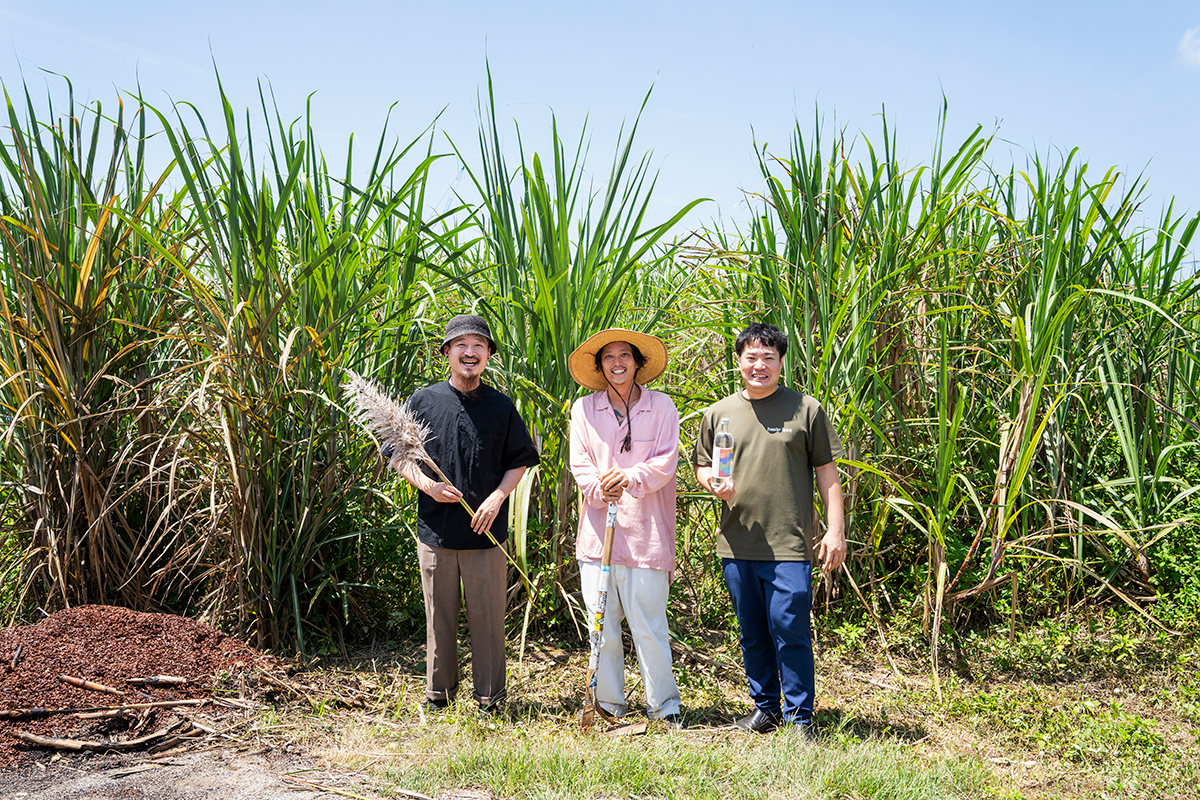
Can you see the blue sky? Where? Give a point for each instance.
(1118, 81)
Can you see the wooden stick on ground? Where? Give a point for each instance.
(158, 680)
(628, 729)
(197, 732)
(178, 739)
(199, 701)
(91, 686)
(99, 747)
(32, 713)
(117, 712)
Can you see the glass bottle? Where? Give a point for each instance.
(722, 455)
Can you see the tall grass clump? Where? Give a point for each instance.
(300, 276)
(85, 304)
(1002, 353)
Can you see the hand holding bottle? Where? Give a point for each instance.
(722, 462)
(724, 491)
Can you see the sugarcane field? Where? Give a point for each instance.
(321, 480)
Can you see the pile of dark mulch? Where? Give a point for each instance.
(106, 645)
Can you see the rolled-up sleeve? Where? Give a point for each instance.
(583, 455)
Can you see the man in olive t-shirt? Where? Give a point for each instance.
(782, 439)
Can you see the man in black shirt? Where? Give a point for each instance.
(483, 447)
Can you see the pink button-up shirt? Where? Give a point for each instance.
(645, 531)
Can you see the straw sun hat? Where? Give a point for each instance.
(582, 362)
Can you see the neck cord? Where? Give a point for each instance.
(627, 442)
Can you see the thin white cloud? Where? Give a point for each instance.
(1189, 47)
(45, 28)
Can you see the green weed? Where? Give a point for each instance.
(544, 761)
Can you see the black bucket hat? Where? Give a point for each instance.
(464, 324)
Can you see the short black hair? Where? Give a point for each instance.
(638, 358)
(765, 334)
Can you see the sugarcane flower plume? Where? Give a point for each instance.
(401, 435)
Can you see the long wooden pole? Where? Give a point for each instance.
(591, 706)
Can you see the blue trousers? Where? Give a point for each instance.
(772, 600)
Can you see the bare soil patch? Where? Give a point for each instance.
(109, 646)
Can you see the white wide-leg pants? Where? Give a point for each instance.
(640, 596)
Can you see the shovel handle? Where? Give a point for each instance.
(610, 526)
(591, 706)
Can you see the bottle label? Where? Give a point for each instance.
(722, 465)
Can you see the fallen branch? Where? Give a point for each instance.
(158, 680)
(96, 747)
(122, 772)
(198, 732)
(33, 713)
(156, 704)
(91, 686)
(116, 712)
(286, 685)
(178, 739)
(312, 693)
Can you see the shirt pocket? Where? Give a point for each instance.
(641, 452)
(490, 436)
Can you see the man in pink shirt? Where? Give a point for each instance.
(625, 448)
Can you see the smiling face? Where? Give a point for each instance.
(618, 364)
(468, 355)
(760, 366)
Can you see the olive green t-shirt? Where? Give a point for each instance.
(777, 441)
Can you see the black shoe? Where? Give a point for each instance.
(759, 721)
(674, 721)
(435, 705)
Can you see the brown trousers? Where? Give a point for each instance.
(449, 577)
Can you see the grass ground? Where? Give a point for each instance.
(1063, 710)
